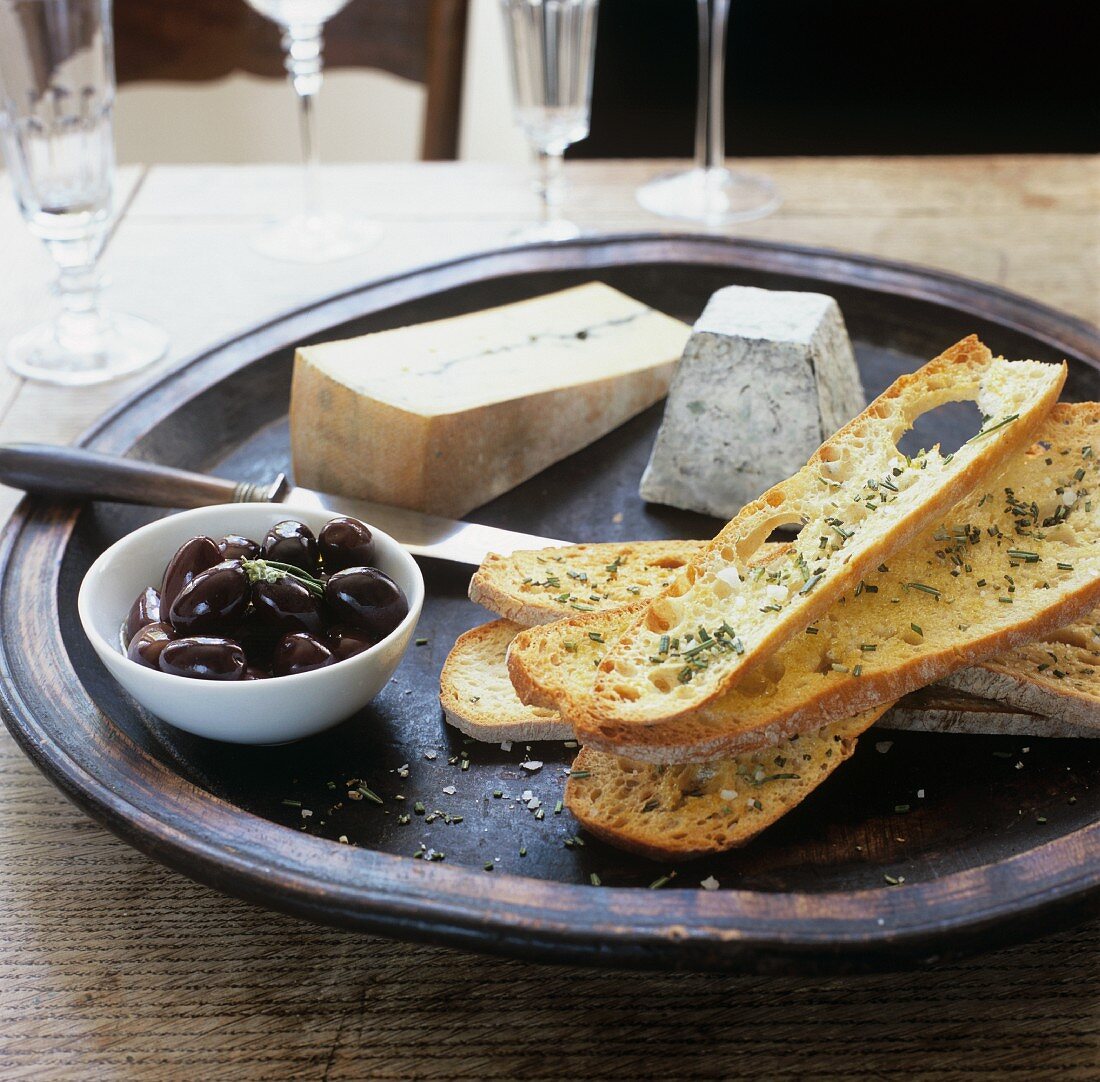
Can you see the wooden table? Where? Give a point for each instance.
(113, 967)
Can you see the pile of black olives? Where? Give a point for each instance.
(235, 609)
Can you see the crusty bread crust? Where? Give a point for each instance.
(826, 677)
(683, 812)
(940, 709)
(631, 689)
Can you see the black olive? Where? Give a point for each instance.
(345, 642)
(286, 605)
(367, 599)
(144, 611)
(345, 542)
(235, 547)
(203, 658)
(257, 638)
(213, 600)
(291, 542)
(299, 652)
(254, 672)
(146, 646)
(194, 555)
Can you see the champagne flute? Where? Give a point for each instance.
(311, 235)
(709, 192)
(552, 45)
(57, 92)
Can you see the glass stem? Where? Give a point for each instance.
(79, 326)
(303, 45)
(551, 184)
(710, 119)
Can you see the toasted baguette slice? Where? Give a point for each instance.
(858, 500)
(1058, 676)
(478, 698)
(1028, 681)
(537, 586)
(965, 592)
(680, 812)
(942, 710)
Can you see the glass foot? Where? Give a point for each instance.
(107, 347)
(556, 229)
(316, 238)
(711, 196)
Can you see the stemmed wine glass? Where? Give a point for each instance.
(57, 93)
(310, 236)
(709, 192)
(552, 45)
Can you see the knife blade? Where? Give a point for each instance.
(75, 473)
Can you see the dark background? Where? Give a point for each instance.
(853, 77)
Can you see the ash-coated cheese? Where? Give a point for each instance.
(764, 379)
(443, 416)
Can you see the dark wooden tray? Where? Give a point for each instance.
(990, 853)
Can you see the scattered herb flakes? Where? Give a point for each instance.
(421, 642)
(594, 879)
(894, 880)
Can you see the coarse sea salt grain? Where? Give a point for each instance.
(450, 790)
(710, 883)
(532, 765)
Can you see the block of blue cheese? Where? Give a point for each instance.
(766, 376)
(443, 416)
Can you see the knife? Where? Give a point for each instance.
(73, 473)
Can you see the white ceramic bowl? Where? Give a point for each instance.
(249, 711)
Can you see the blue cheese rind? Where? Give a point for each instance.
(766, 376)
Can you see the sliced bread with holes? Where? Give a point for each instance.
(858, 500)
(478, 698)
(1057, 685)
(966, 591)
(681, 812)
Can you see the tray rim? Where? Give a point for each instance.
(466, 907)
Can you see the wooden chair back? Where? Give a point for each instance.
(198, 40)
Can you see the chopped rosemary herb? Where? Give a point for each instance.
(993, 428)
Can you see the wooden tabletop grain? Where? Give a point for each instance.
(113, 967)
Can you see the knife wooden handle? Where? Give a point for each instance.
(76, 474)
